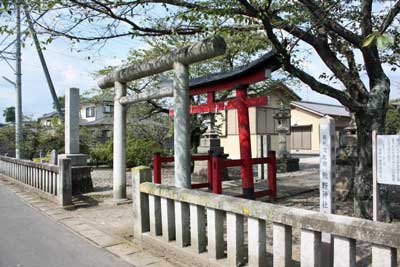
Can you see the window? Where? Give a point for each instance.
(90, 112)
(300, 137)
(108, 108)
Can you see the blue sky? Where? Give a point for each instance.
(69, 68)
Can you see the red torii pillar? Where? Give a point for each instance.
(245, 143)
(242, 104)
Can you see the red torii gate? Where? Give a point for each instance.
(238, 80)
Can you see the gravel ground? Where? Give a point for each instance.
(102, 177)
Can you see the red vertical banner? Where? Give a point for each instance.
(245, 143)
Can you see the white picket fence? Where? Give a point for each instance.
(51, 181)
(195, 219)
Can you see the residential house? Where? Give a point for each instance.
(48, 119)
(305, 119)
(98, 116)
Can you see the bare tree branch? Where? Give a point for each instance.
(314, 84)
(321, 46)
(390, 17)
(366, 21)
(332, 25)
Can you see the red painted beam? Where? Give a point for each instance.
(200, 185)
(167, 159)
(260, 160)
(225, 105)
(232, 163)
(200, 157)
(257, 194)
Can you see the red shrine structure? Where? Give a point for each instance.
(238, 79)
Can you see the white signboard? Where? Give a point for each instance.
(388, 159)
(327, 165)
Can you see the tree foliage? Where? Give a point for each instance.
(9, 114)
(392, 120)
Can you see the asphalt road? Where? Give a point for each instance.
(30, 239)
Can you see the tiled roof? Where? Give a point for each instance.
(48, 115)
(267, 60)
(109, 121)
(322, 109)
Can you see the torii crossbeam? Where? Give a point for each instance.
(178, 60)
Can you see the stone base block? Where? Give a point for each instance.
(287, 165)
(210, 142)
(201, 168)
(76, 159)
(81, 180)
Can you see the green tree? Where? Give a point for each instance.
(61, 101)
(392, 119)
(7, 140)
(9, 114)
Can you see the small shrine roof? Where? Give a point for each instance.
(253, 72)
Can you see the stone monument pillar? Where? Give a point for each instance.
(285, 163)
(81, 177)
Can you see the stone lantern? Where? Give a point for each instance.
(285, 163)
(209, 143)
(283, 126)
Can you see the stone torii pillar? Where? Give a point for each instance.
(178, 60)
(182, 126)
(119, 151)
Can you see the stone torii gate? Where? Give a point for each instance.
(179, 61)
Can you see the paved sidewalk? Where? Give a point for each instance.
(89, 228)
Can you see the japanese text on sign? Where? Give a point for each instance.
(388, 159)
(327, 165)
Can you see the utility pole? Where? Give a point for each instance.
(18, 108)
(43, 62)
